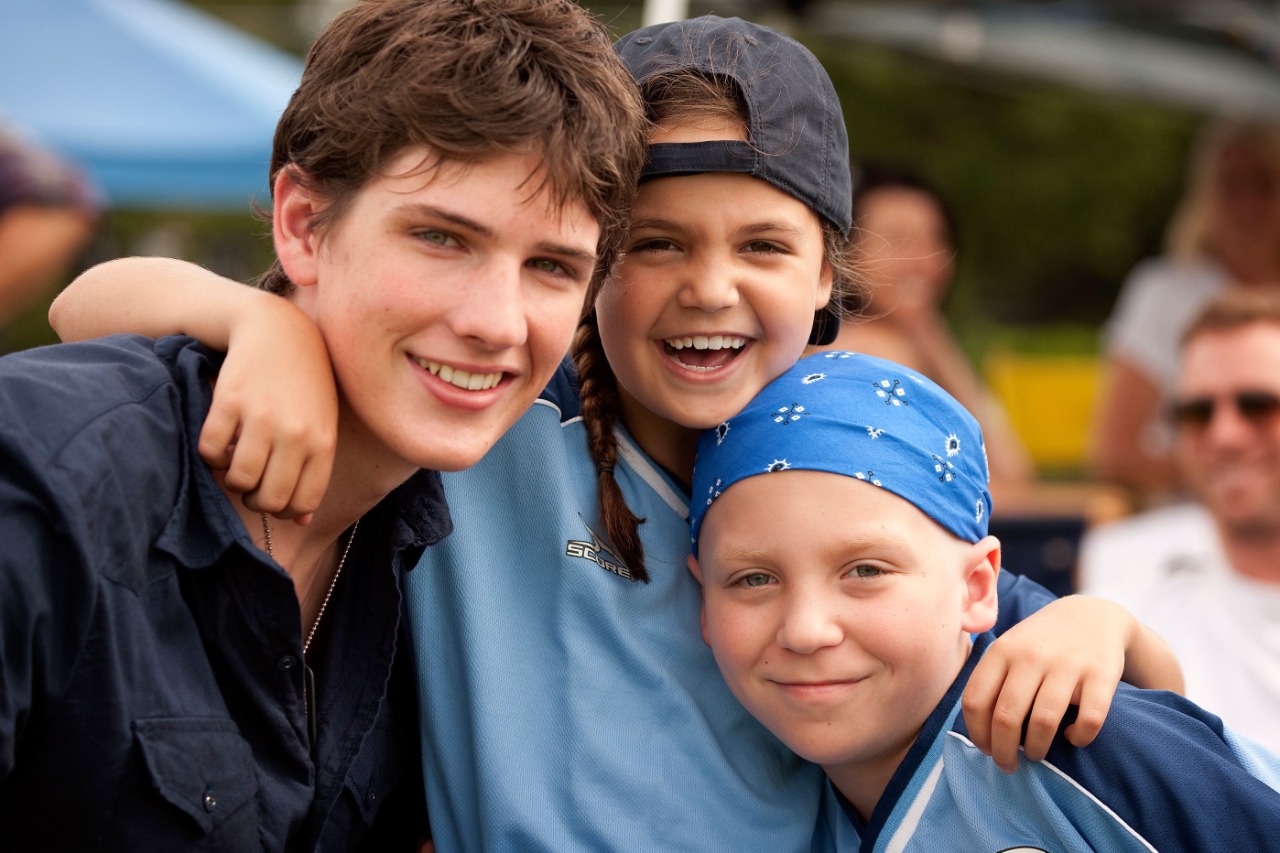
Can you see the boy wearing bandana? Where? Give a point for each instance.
(849, 584)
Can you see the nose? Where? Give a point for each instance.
(811, 622)
(492, 311)
(709, 285)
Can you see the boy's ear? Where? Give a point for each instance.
(696, 571)
(981, 604)
(295, 240)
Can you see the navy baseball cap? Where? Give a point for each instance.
(796, 136)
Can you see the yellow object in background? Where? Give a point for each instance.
(1049, 401)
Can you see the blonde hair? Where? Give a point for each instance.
(1189, 233)
(1235, 308)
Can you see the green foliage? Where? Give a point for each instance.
(1058, 193)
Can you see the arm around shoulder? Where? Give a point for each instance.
(156, 297)
(1170, 770)
(273, 424)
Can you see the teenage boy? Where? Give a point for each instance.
(176, 673)
(840, 537)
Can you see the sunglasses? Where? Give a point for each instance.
(1253, 406)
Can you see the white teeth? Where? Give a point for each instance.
(461, 378)
(714, 342)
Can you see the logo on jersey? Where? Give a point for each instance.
(596, 551)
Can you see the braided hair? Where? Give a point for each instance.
(680, 95)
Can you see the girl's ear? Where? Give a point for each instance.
(297, 245)
(696, 571)
(981, 605)
(825, 283)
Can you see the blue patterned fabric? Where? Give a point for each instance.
(864, 417)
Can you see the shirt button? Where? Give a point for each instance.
(288, 662)
(210, 801)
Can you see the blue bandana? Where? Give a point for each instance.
(863, 417)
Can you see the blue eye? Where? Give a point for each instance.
(864, 571)
(755, 579)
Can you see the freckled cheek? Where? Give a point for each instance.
(555, 333)
(739, 639)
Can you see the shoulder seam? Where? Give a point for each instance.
(1059, 772)
(559, 412)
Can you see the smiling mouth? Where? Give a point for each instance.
(704, 352)
(460, 378)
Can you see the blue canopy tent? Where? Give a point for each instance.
(163, 106)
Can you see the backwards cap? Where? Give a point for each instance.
(796, 138)
(796, 135)
(864, 417)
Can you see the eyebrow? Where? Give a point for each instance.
(654, 222)
(418, 209)
(766, 227)
(884, 543)
(771, 227)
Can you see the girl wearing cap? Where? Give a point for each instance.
(567, 699)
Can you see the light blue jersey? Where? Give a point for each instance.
(1163, 775)
(566, 707)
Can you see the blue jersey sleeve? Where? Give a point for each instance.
(1170, 770)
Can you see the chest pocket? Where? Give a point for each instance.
(205, 770)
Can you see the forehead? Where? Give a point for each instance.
(839, 508)
(522, 176)
(693, 128)
(900, 212)
(903, 202)
(1242, 357)
(721, 201)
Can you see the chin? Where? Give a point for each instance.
(447, 459)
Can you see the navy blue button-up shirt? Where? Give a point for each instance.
(151, 678)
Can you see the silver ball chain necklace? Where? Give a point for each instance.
(309, 675)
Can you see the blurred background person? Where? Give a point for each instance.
(905, 247)
(48, 214)
(1226, 230)
(1206, 576)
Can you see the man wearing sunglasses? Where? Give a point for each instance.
(1206, 575)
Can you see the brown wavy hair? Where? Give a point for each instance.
(679, 96)
(468, 80)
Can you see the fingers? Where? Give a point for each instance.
(291, 484)
(218, 436)
(1095, 701)
(1010, 711)
(281, 477)
(979, 700)
(1007, 706)
(1051, 703)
